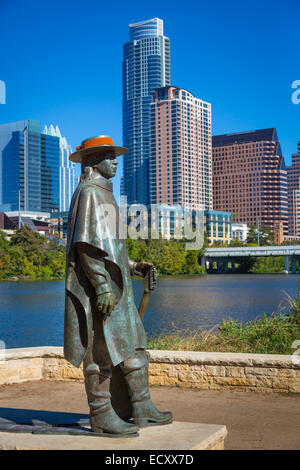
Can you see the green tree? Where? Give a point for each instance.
(192, 262)
(236, 243)
(265, 232)
(32, 243)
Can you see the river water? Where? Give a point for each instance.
(32, 313)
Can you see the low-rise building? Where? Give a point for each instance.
(60, 219)
(37, 221)
(239, 232)
(218, 226)
(278, 233)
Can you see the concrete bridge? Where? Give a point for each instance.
(225, 256)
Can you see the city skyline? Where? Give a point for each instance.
(215, 55)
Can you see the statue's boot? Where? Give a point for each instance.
(144, 412)
(103, 418)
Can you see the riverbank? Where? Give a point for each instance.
(30, 279)
(268, 335)
(136, 278)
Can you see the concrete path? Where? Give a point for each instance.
(253, 420)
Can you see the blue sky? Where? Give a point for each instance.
(61, 61)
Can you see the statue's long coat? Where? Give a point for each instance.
(123, 331)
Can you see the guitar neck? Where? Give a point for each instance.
(143, 304)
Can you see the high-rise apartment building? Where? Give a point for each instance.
(181, 150)
(250, 178)
(29, 168)
(293, 190)
(146, 66)
(67, 178)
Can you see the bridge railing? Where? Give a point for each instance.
(287, 250)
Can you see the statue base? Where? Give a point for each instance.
(174, 436)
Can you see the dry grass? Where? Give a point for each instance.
(269, 335)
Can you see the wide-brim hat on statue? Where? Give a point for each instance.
(99, 144)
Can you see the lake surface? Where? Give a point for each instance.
(32, 313)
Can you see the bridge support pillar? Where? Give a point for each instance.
(233, 265)
(287, 264)
(219, 266)
(294, 266)
(203, 262)
(226, 266)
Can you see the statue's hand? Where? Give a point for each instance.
(106, 303)
(142, 267)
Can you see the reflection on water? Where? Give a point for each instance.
(32, 313)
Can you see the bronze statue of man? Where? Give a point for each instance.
(102, 325)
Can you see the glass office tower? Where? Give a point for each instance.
(146, 66)
(20, 166)
(67, 178)
(49, 173)
(29, 168)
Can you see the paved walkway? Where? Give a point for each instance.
(253, 420)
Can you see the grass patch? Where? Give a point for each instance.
(272, 334)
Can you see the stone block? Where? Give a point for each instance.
(218, 371)
(9, 376)
(288, 373)
(264, 381)
(170, 381)
(157, 372)
(294, 387)
(30, 373)
(265, 371)
(156, 380)
(231, 371)
(50, 362)
(233, 381)
(283, 383)
(21, 363)
(187, 376)
(72, 373)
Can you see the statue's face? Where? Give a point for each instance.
(108, 167)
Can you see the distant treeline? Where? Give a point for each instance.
(169, 257)
(28, 255)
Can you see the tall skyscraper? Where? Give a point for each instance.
(20, 166)
(250, 178)
(146, 66)
(67, 178)
(181, 150)
(30, 175)
(293, 190)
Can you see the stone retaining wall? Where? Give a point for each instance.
(201, 370)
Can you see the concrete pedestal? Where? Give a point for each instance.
(175, 436)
